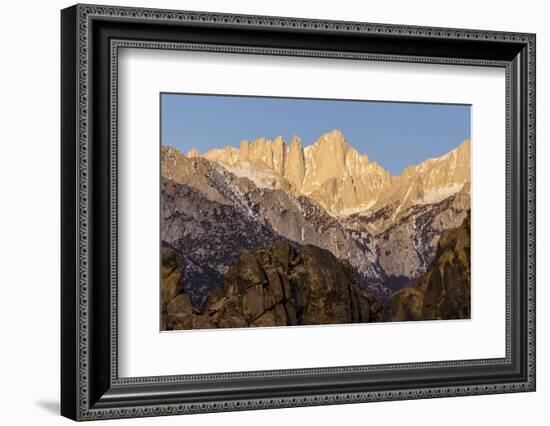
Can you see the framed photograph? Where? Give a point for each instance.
(263, 212)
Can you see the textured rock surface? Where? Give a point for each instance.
(429, 182)
(207, 235)
(407, 245)
(327, 195)
(443, 292)
(294, 165)
(339, 177)
(344, 181)
(208, 214)
(277, 285)
(171, 273)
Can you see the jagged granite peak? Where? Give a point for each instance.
(344, 181)
(329, 171)
(325, 160)
(431, 181)
(339, 177)
(294, 166)
(194, 152)
(244, 150)
(261, 150)
(279, 148)
(226, 155)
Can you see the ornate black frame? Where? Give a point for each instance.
(91, 37)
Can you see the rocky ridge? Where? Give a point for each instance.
(279, 284)
(337, 176)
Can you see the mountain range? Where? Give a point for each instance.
(328, 195)
(341, 179)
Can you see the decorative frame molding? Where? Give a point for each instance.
(91, 388)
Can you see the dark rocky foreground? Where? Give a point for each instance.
(286, 284)
(443, 292)
(277, 285)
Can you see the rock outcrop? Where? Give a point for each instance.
(279, 284)
(294, 165)
(443, 292)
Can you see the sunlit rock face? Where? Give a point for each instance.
(333, 173)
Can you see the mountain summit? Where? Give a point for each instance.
(333, 173)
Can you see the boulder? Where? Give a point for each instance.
(171, 274)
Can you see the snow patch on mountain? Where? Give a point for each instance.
(437, 194)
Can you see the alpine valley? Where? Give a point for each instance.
(272, 233)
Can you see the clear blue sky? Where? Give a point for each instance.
(393, 134)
